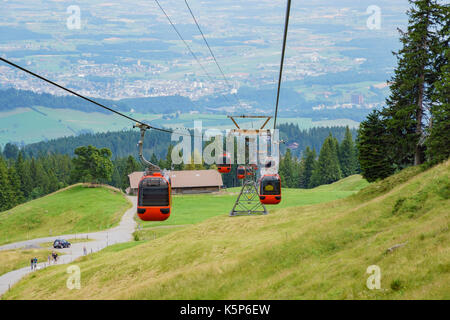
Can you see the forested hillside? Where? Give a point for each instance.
(124, 143)
(13, 98)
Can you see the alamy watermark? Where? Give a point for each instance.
(74, 279)
(246, 147)
(74, 19)
(374, 280)
(374, 20)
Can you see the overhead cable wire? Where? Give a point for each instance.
(286, 24)
(88, 99)
(187, 46)
(210, 50)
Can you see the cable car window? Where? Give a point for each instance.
(153, 192)
(270, 186)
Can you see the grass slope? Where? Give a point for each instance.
(75, 209)
(190, 209)
(308, 252)
(15, 259)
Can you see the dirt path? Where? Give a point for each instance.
(97, 241)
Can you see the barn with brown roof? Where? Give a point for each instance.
(185, 181)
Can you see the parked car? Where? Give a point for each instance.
(61, 243)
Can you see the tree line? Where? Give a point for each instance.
(334, 162)
(414, 126)
(24, 178)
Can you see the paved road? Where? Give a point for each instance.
(98, 240)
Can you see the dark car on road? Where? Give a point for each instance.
(61, 243)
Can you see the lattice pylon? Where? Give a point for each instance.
(247, 202)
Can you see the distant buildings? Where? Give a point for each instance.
(357, 99)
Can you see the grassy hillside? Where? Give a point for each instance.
(308, 252)
(189, 209)
(15, 259)
(75, 209)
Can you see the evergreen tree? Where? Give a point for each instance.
(438, 142)
(287, 170)
(53, 183)
(327, 169)
(11, 151)
(16, 192)
(169, 157)
(5, 187)
(411, 85)
(357, 165)
(373, 158)
(22, 169)
(347, 157)
(309, 160)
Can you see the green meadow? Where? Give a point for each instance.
(72, 210)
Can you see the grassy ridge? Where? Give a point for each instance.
(309, 252)
(76, 209)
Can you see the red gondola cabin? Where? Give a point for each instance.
(154, 198)
(270, 189)
(240, 172)
(225, 167)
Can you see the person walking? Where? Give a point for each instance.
(84, 250)
(35, 263)
(32, 263)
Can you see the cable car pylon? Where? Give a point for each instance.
(248, 201)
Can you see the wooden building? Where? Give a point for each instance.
(185, 181)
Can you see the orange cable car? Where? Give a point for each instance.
(154, 198)
(270, 189)
(241, 172)
(225, 167)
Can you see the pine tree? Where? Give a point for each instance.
(373, 151)
(309, 160)
(411, 85)
(11, 151)
(438, 142)
(5, 187)
(53, 183)
(286, 170)
(347, 157)
(16, 192)
(327, 169)
(23, 171)
(169, 157)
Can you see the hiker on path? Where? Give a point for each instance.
(35, 263)
(84, 250)
(32, 263)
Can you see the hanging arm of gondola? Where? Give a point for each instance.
(150, 166)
